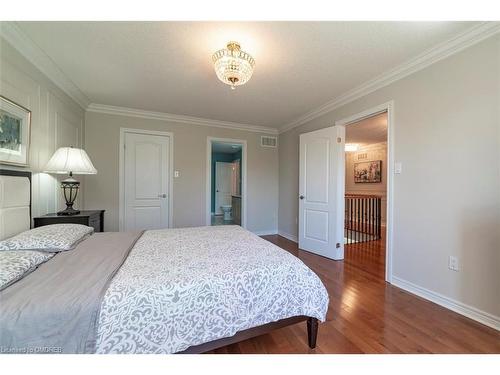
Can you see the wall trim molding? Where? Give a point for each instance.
(11, 32)
(450, 47)
(288, 236)
(244, 173)
(471, 312)
(266, 232)
(163, 116)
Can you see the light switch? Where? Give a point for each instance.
(176, 173)
(398, 168)
(453, 263)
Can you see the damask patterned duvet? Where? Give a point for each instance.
(184, 287)
(160, 291)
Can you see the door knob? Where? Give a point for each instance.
(301, 197)
(162, 195)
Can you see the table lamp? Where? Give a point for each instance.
(73, 161)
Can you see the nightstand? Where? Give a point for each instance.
(90, 218)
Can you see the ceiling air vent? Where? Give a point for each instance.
(268, 141)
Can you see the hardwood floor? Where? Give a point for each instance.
(367, 315)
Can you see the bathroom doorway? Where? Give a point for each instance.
(226, 181)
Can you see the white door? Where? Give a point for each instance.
(320, 204)
(223, 185)
(146, 181)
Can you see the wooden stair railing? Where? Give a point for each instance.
(363, 218)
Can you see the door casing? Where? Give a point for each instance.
(389, 108)
(243, 166)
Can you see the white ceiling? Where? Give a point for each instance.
(368, 131)
(166, 66)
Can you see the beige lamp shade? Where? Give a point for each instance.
(69, 159)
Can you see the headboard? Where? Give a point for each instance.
(15, 202)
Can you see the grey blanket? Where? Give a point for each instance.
(55, 309)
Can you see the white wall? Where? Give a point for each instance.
(56, 121)
(374, 151)
(102, 136)
(447, 200)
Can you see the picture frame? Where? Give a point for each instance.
(15, 129)
(368, 172)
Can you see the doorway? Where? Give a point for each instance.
(367, 188)
(145, 179)
(323, 226)
(226, 182)
(366, 193)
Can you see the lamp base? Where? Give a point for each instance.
(68, 212)
(69, 188)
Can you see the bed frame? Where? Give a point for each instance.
(16, 173)
(312, 334)
(21, 174)
(312, 323)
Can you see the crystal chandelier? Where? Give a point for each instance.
(233, 66)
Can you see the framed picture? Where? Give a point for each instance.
(368, 171)
(15, 123)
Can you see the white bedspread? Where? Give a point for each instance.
(185, 287)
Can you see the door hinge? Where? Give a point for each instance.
(337, 245)
(339, 139)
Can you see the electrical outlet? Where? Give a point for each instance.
(176, 174)
(453, 263)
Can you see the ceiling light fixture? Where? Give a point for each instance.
(351, 147)
(233, 66)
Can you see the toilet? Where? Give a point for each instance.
(227, 211)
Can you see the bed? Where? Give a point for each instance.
(188, 290)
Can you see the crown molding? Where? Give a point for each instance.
(456, 44)
(132, 112)
(11, 32)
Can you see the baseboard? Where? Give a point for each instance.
(288, 236)
(473, 313)
(265, 232)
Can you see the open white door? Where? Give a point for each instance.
(223, 185)
(321, 204)
(146, 181)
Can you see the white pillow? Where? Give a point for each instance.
(51, 238)
(14, 265)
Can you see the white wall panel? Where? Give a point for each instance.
(66, 128)
(56, 120)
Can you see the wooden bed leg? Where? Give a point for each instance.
(312, 332)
